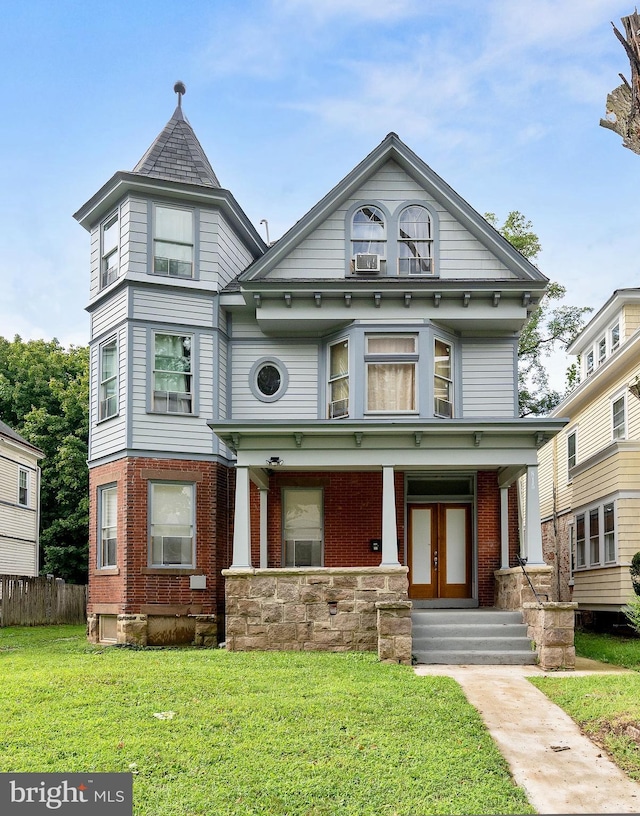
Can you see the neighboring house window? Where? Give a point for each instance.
(618, 417)
(23, 487)
(415, 242)
(172, 524)
(572, 450)
(609, 533)
(572, 548)
(368, 239)
(602, 350)
(173, 242)
(108, 380)
(391, 363)
(589, 362)
(580, 542)
(108, 509)
(442, 381)
(172, 377)
(594, 537)
(339, 379)
(110, 244)
(302, 527)
(615, 337)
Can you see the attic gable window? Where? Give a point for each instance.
(173, 242)
(368, 239)
(110, 233)
(415, 242)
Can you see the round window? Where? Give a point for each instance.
(268, 380)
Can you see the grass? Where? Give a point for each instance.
(278, 733)
(604, 706)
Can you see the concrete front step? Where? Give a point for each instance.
(470, 636)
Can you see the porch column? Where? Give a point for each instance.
(533, 529)
(504, 528)
(389, 528)
(264, 494)
(241, 526)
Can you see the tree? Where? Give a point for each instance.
(623, 103)
(44, 395)
(550, 327)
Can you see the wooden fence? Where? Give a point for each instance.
(40, 601)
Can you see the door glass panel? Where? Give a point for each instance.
(456, 527)
(421, 546)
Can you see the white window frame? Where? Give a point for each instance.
(602, 349)
(395, 358)
(595, 541)
(601, 542)
(605, 533)
(24, 490)
(164, 564)
(334, 382)
(406, 241)
(104, 382)
(614, 336)
(178, 397)
(158, 239)
(103, 559)
(109, 271)
(306, 539)
(581, 553)
(589, 362)
(619, 431)
(438, 378)
(572, 434)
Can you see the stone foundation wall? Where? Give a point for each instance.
(334, 609)
(513, 590)
(157, 630)
(551, 627)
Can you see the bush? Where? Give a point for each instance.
(634, 569)
(632, 612)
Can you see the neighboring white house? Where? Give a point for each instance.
(19, 504)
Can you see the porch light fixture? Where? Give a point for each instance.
(274, 461)
(333, 607)
(634, 388)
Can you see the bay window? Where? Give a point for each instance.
(172, 509)
(442, 380)
(173, 242)
(391, 368)
(594, 537)
(580, 542)
(339, 379)
(110, 234)
(609, 534)
(172, 374)
(108, 402)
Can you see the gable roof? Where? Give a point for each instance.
(177, 155)
(9, 433)
(393, 148)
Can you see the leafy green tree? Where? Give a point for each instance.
(44, 395)
(550, 327)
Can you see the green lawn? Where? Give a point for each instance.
(603, 705)
(279, 733)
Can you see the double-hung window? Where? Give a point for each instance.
(572, 451)
(602, 350)
(172, 374)
(109, 259)
(618, 418)
(391, 362)
(172, 524)
(594, 537)
(589, 362)
(609, 533)
(173, 242)
(302, 526)
(415, 242)
(368, 239)
(23, 487)
(442, 380)
(339, 379)
(107, 536)
(108, 380)
(614, 337)
(580, 542)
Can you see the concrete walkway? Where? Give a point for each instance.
(560, 769)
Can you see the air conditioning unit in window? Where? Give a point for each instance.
(366, 263)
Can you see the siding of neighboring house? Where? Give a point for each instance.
(18, 524)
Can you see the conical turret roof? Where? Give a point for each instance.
(177, 155)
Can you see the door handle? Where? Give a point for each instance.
(435, 560)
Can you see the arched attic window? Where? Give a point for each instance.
(368, 239)
(415, 242)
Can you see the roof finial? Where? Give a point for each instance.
(180, 89)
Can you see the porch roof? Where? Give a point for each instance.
(370, 444)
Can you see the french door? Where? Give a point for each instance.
(439, 550)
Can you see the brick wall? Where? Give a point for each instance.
(488, 494)
(352, 516)
(134, 587)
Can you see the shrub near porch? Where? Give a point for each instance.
(279, 733)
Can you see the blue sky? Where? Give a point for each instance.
(502, 98)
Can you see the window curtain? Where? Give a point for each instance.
(173, 364)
